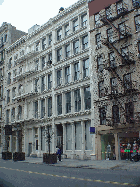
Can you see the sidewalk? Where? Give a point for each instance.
(89, 164)
(96, 164)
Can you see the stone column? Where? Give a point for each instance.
(63, 103)
(83, 140)
(63, 75)
(39, 141)
(46, 139)
(25, 136)
(72, 72)
(46, 107)
(64, 138)
(53, 136)
(33, 141)
(17, 143)
(82, 99)
(116, 146)
(81, 69)
(39, 108)
(11, 143)
(73, 141)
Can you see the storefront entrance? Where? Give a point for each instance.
(108, 147)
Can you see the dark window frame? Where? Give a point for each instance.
(59, 104)
(87, 98)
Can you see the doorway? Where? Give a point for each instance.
(60, 136)
(30, 148)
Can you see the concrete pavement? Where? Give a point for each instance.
(90, 164)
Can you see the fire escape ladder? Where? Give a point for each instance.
(105, 20)
(118, 77)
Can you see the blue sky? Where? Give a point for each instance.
(23, 14)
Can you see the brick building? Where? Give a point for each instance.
(115, 76)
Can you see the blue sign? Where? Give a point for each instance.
(92, 130)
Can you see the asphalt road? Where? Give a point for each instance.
(16, 174)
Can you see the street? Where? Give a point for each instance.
(15, 174)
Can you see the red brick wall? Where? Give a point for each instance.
(97, 5)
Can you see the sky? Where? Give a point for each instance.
(23, 14)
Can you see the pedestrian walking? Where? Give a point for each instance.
(59, 154)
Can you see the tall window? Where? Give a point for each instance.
(114, 85)
(37, 46)
(67, 74)
(101, 89)
(75, 25)
(1, 92)
(43, 43)
(112, 60)
(68, 102)
(9, 78)
(49, 81)
(50, 39)
(59, 104)
(0, 112)
(108, 12)
(67, 50)
(8, 96)
(100, 64)
(119, 7)
(36, 64)
(13, 92)
(125, 54)
(19, 112)
(102, 115)
(137, 23)
(84, 20)
(76, 46)
(97, 19)
(43, 62)
(87, 98)
(77, 100)
(59, 77)
(86, 68)
(36, 85)
(127, 82)
(13, 114)
(85, 42)
(59, 34)
(67, 30)
(76, 71)
(98, 40)
(7, 116)
(59, 54)
(42, 83)
(14, 75)
(49, 58)
(42, 108)
(129, 112)
(10, 63)
(115, 114)
(110, 35)
(49, 106)
(139, 47)
(122, 29)
(36, 109)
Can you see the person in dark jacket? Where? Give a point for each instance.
(59, 154)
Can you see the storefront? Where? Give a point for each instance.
(107, 147)
(128, 143)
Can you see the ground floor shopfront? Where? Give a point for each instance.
(73, 137)
(118, 145)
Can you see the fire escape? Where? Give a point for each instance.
(125, 61)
